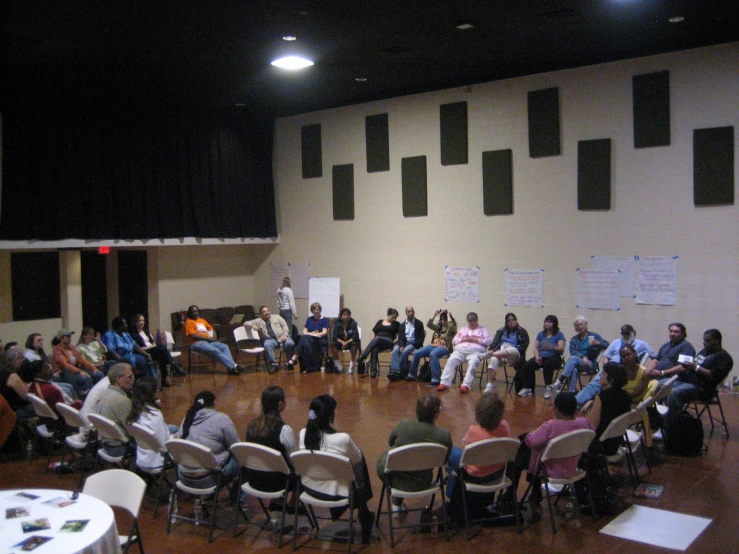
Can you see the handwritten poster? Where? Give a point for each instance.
(462, 284)
(298, 274)
(598, 290)
(656, 280)
(626, 266)
(523, 287)
(326, 291)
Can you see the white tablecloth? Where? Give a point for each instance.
(100, 536)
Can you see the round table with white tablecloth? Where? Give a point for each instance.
(55, 509)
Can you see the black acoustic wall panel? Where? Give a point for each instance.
(594, 174)
(377, 138)
(713, 166)
(343, 187)
(310, 138)
(544, 123)
(453, 133)
(651, 94)
(497, 182)
(415, 200)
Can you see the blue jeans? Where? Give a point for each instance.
(681, 393)
(287, 315)
(271, 344)
(81, 381)
(434, 353)
(589, 392)
(230, 471)
(452, 468)
(399, 360)
(217, 350)
(572, 367)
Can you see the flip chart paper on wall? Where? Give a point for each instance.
(523, 287)
(326, 291)
(462, 284)
(626, 265)
(656, 280)
(299, 273)
(598, 290)
(279, 272)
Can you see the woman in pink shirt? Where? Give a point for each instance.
(535, 443)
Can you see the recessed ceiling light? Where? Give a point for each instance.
(360, 79)
(465, 26)
(292, 62)
(239, 104)
(676, 19)
(289, 38)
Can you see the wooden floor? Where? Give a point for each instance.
(707, 486)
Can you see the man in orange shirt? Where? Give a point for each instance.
(197, 334)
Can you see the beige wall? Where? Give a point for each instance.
(384, 259)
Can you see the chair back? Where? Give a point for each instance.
(665, 389)
(490, 452)
(117, 487)
(251, 334)
(240, 334)
(192, 455)
(259, 458)
(146, 438)
(72, 417)
(359, 332)
(617, 427)
(323, 466)
(41, 406)
(416, 457)
(224, 315)
(170, 339)
(568, 445)
(106, 428)
(637, 414)
(644, 359)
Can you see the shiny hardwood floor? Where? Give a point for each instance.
(706, 486)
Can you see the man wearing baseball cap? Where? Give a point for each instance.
(628, 336)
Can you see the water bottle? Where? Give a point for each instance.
(198, 510)
(29, 451)
(571, 507)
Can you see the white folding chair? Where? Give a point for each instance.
(121, 489)
(414, 457)
(487, 452)
(48, 436)
(146, 439)
(323, 466)
(617, 430)
(662, 394)
(193, 457)
(637, 430)
(77, 444)
(246, 334)
(107, 430)
(255, 457)
(565, 446)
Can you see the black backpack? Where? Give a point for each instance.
(424, 372)
(683, 435)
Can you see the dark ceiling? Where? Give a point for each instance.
(216, 54)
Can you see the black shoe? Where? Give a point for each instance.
(373, 374)
(411, 378)
(433, 384)
(366, 520)
(166, 383)
(273, 369)
(177, 369)
(361, 367)
(233, 371)
(394, 376)
(290, 365)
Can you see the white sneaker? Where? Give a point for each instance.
(548, 392)
(338, 366)
(489, 388)
(351, 368)
(525, 392)
(557, 386)
(657, 436)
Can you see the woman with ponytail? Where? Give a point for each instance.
(268, 429)
(319, 434)
(204, 425)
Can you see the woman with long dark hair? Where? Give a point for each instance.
(159, 353)
(509, 343)
(346, 337)
(145, 411)
(548, 348)
(268, 429)
(383, 336)
(204, 425)
(319, 434)
(35, 348)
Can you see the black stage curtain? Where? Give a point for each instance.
(98, 174)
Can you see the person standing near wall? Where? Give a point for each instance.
(286, 302)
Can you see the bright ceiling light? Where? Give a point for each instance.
(289, 38)
(292, 62)
(676, 19)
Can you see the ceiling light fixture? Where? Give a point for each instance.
(289, 38)
(676, 19)
(360, 79)
(292, 62)
(465, 26)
